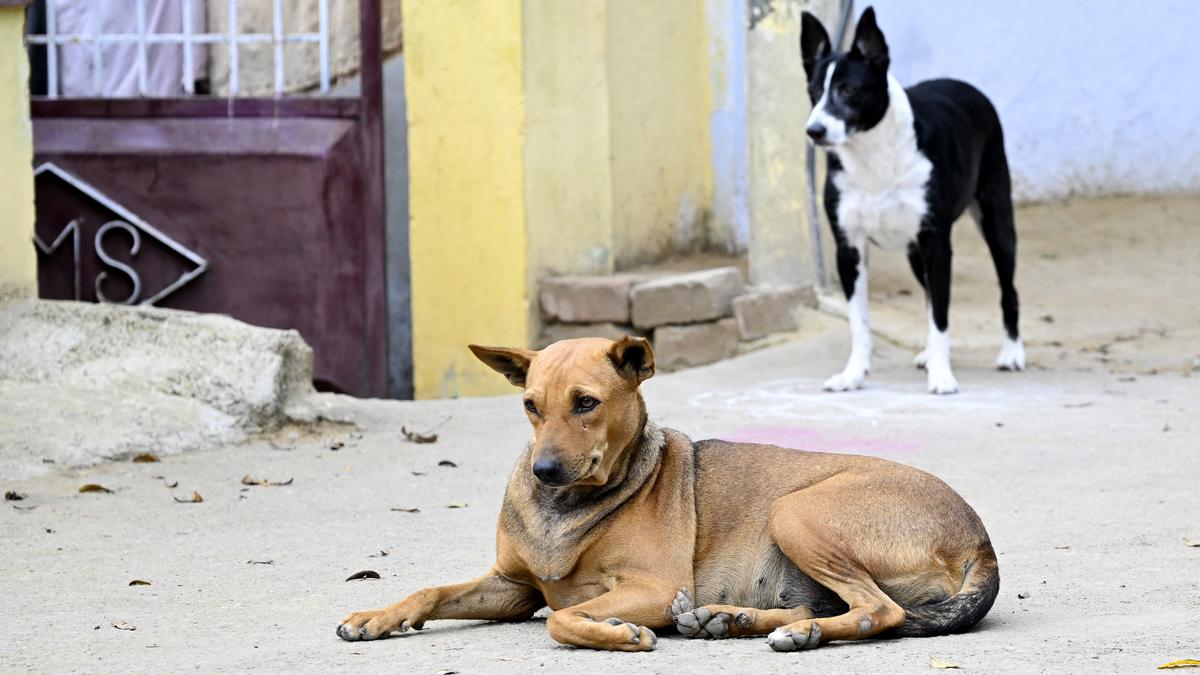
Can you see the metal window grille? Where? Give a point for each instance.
(53, 40)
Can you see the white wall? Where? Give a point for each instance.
(1096, 97)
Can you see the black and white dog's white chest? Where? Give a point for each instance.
(882, 180)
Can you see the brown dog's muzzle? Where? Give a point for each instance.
(549, 469)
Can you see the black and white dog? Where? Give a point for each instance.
(903, 166)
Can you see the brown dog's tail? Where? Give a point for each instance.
(961, 611)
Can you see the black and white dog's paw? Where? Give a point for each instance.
(940, 380)
(921, 359)
(1012, 355)
(847, 380)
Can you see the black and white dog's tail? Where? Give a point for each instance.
(959, 612)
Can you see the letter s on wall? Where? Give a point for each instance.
(117, 264)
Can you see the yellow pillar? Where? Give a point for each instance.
(18, 261)
(545, 137)
(466, 192)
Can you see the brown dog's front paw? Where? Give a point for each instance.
(643, 637)
(373, 625)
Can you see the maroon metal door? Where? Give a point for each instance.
(270, 210)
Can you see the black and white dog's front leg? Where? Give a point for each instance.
(934, 247)
(852, 269)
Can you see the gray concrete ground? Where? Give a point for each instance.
(1084, 470)
(1085, 481)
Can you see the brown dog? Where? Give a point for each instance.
(622, 527)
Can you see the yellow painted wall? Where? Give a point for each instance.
(545, 137)
(18, 261)
(659, 103)
(568, 174)
(463, 62)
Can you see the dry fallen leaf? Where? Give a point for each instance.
(168, 483)
(457, 505)
(417, 437)
(1182, 663)
(13, 496)
(121, 625)
(365, 574)
(1191, 542)
(250, 480)
(95, 487)
(935, 662)
(403, 510)
(139, 582)
(446, 462)
(194, 499)
(146, 458)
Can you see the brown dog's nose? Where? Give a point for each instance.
(550, 471)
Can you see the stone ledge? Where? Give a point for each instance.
(554, 332)
(762, 312)
(696, 344)
(685, 298)
(96, 382)
(586, 299)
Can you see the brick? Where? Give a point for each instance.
(587, 299)
(695, 344)
(685, 298)
(553, 332)
(772, 310)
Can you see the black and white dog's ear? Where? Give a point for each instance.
(869, 44)
(814, 42)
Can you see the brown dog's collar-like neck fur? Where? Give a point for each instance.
(562, 517)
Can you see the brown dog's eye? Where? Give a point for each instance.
(585, 403)
(531, 407)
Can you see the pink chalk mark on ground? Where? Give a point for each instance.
(802, 438)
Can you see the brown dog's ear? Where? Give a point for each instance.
(510, 362)
(633, 358)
